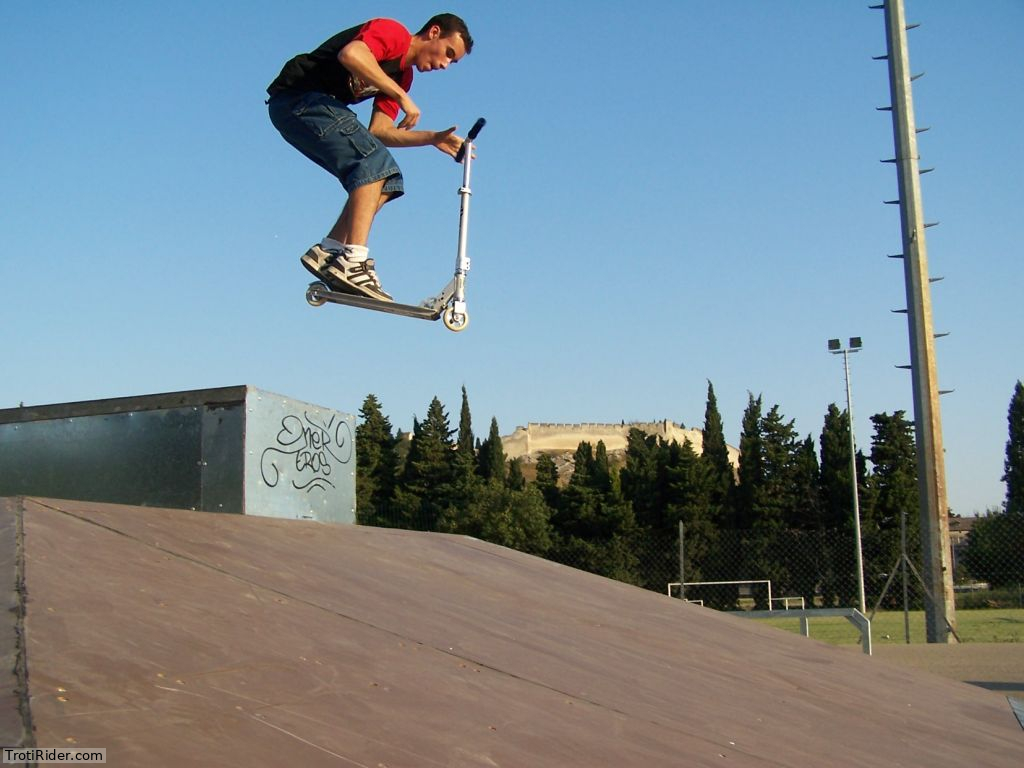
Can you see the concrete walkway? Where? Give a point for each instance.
(996, 667)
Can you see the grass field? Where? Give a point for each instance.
(981, 626)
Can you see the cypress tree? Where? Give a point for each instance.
(895, 494)
(515, 480)
(376, 465)
(806, 541)
(775, 500)
(835, 483)
(429, 467)
(547, 480)
(836, 497)
(491, 458)
(806, 514)
(894, 458)
(1013, 466)
(716, 456)
(691, 485)
(465, 444)
(601, 475)
(465, 483)
(639, 478)
(751, 469)
(772, 495)
(582, 466)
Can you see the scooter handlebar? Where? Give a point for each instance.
(477, 127)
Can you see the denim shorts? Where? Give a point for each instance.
(329, 133)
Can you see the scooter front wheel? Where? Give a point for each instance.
(455, 321)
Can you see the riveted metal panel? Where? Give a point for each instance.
(147, 458)
(223, 459)
(300, 460)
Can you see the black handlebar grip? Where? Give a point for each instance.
(477, 127)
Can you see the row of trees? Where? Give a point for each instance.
(446, 480)
(995, 545)
(785, 513)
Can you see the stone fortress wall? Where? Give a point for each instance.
(534, 439)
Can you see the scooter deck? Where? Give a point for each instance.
(365, 302)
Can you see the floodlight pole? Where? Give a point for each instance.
(855, 346)
(940, 612)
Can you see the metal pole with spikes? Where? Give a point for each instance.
(940, 612)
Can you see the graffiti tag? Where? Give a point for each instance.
(314, 449)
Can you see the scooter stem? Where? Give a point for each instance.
(465, 155)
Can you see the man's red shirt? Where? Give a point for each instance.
(388, 41)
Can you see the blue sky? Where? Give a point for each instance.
(666, 193)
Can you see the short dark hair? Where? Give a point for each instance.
(450, 24)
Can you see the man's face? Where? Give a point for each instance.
(438, 52)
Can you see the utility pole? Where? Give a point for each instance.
(940, 611)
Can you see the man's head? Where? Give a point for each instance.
(443, 40)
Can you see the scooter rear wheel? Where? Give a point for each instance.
(314, 294)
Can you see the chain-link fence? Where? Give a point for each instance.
(781, 568)
(750, 569)
(778, 568)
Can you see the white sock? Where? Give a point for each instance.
(356, 252)
(352, 252)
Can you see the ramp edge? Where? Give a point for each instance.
(15, 709)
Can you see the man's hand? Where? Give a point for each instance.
(447, 141)
(357, 58)
(412, 112)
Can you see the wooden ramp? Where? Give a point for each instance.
(176, 638)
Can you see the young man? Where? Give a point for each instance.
(309, 105)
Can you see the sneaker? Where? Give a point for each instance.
(344, 275)
(316, 260)
(357, 277)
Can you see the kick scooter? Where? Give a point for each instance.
(450, 304)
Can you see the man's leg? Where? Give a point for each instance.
(328, 133)
(352, 270)
(353, 226)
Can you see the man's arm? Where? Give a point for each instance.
(391, 135)
(357, 58)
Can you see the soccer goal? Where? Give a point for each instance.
(704, 591)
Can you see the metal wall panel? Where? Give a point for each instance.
(300, 460)
(233, 449)
(223, 459)
(149, 458)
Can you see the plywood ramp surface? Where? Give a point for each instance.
(180, 638)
